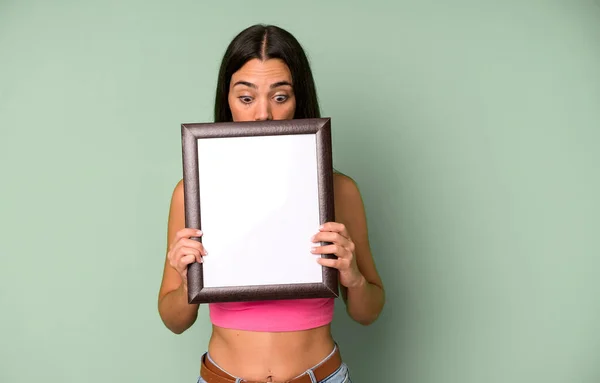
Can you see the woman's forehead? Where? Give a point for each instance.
(258, 72)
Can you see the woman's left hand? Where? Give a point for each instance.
(341, 246)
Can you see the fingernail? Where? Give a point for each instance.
(199, 232)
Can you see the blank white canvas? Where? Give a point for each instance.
(259, 207)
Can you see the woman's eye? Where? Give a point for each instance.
(245, 99)
(281, 98)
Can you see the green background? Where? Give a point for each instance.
(471, 127)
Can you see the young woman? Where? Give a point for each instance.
(265, 75)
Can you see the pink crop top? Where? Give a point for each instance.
(273, 316)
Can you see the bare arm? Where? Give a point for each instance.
(361, 285)
(175, 311)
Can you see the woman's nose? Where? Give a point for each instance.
(263, 111)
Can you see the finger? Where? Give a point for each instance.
(328, 236)
(194, 244)
(340, 251)
(184, 233)
(186, 242)
(185, 251)
(175, 256)
(335, 227)
(185, 261)
(174, 253)
(329, 262)
(187, 233)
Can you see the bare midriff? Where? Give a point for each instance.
(269, 356)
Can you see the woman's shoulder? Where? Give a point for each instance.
(177, 195)
(347, 196)
(178, 189)
(344, 185)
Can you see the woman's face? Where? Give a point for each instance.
(262, 90)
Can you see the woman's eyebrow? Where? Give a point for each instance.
(246, 83)
(274, 85)
(281, 83)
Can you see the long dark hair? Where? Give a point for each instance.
(267, 42)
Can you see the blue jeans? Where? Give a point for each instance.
(341, 375)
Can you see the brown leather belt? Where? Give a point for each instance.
(213, 374)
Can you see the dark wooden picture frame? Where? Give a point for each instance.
(191, 134)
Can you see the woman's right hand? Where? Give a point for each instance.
(184, 251)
